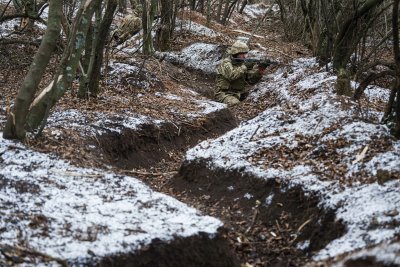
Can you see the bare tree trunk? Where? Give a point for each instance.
(163, 36)
(95, 45)
(208, 15)
(348, 36)
(396, 50)
(192, 4)
(242, 7)
(201, 6)
(346, 42)
(219, 11)
(67, 70)
(147, 22)
(15, 126)
(95, 74)
(228, 10)
(123, 5)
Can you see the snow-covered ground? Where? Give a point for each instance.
(198, 56)
(119, 213)
(194, 28)
(310, 118)
(81, 215)
(385, 254)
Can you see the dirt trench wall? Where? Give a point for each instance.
(278, 204)
(151, 144)
(196, 251)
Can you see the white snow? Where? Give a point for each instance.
(95, 123)
(311, 115)
(132, 73)
(198, 56)
(47, 205)
(194, 28)
(386, 253)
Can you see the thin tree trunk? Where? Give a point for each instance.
(47, 99)
(396, 50)
(242, 7)
(95, 75)
(164, 32)
(219, 11)
(147, 21)
(346, 40)
(15, 126)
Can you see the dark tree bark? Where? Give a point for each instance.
(15, 126)
(349, 35)
(346, 43)
(148, 14)
(164, 32)
(67, 70)
(95, 74)
(396, 50)
(244, 3)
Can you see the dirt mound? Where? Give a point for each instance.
(152, 143)
(193, 251)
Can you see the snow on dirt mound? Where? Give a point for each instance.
(97, 123)
(198, 56)
(194, 28)
(385, 254)
(82, 215)
(122, 74)
(325, 144)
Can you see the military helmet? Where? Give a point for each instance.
(237, 48)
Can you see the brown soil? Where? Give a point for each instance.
(196, 251)
(152, 144)
(261, 234)
(258, 234)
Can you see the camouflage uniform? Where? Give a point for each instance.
(233, 78)
(130, 25)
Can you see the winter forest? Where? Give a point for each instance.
(119, 147)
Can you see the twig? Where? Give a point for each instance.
(150, 173)
(251, 138)
(255, 214)
(5, 8)
(78, 174)
(304, 225)
(173, 77)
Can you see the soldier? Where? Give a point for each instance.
(130, 25)
(233, 76)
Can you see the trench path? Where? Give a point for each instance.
(258, 235)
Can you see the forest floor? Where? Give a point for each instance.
(171, 101)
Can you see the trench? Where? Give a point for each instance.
(300, 227)
(291, 217)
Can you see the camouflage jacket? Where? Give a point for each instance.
(129, 26)
(234, 77)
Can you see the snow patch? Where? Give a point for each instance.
(316, 121)
(84, 214)
(195, 28)
(197, 56)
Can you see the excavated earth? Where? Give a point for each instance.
(253, 234)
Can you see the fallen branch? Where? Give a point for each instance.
(304, 225)
(249, 33)
(255, 214)
(150, 173)
(78, 174)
